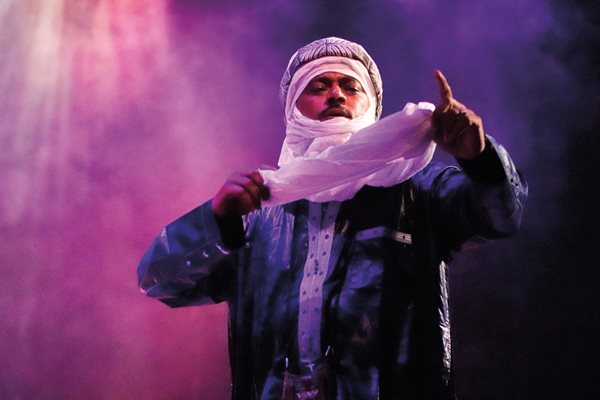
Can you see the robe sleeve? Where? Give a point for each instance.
(479, 202)
(193, 260)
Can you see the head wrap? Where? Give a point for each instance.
(335, 47)
(307, 137)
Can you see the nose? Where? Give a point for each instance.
(336, 95)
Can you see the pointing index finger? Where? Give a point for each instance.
(445, 90)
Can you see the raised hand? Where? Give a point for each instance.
(459, 131)
(241, 193)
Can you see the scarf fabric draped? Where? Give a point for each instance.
(331, 160)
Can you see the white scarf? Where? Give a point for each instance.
(331, 160)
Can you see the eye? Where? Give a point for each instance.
(351, 86)
(352, 89)
(315, 88)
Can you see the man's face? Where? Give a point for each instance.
(332, 94)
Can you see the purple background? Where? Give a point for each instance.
(117, 116)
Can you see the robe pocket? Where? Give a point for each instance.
(384, 231)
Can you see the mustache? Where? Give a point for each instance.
(337, 110)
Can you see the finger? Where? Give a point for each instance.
(256, 177)
(473, 117)
(462, 116)
(445, 90)
(458, 107)
(458, 130)
(265, 192)
(242, 184)
(452, 112)
(253, 192)
(241, 180)
(247, 178)
(239, 191)
(448, 123)
(260, 184)
(249, 195)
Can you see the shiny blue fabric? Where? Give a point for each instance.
(385, 311)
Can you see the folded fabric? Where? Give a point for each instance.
(385, 153)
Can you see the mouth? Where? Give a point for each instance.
(333, 112)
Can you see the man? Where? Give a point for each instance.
(343, 295)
